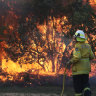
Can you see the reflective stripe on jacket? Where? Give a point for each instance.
(81, 58)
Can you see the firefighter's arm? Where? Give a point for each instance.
(76, 56)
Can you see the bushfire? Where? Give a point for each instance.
(45, 44)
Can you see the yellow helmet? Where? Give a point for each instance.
(80, 35)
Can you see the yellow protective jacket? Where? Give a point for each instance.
(81, 58)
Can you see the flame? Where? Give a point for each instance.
(93, 70)
(92, 2)
(11, 27)
(55, 28)
(14, 68)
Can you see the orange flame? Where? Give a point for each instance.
(55, 27)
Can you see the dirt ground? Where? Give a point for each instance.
(27, 94)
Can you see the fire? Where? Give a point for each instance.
(3, 78)
(51, 52)
(11, 27)
(14, 68)
(93, 2)
(93, 72)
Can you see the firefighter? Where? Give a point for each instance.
(82, 55)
